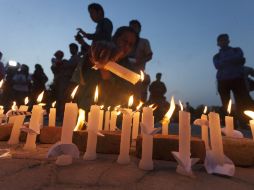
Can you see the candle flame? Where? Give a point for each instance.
(53, 104)
(109, 108)
(74, 92)
(249, 113)
(81, 120)
(171, 109)
(118, 112)
(101, 107)
(1, 107)
(131, 99)
(150, 106)
(96, 94)
(12, 63)
(117, 107)
(40, 97)
(1, 83)
(205, 110)
(14, 106)
(26, 100)
(229, 106)
(142, 76)
(181, 105)
(139, 105)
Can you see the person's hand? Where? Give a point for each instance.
(103, 52)
(80, 31)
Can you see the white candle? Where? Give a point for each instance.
(107, 119)
(252, 128)
(135, 127)
(229, 121)
(34, 124)
(113, 119)
(251, 115)
(101, 119)
(216, 138)
(204, 132)
(146, 162)
(165, 128)
(52, 115)
(18, 122)
(1, 114)
(93, 125)
(184, 136)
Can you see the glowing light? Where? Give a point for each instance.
(171, 109)
(1, 83)
(249, 113)
(74, 92)
(181, 105)
(26, 100)
(81, 120)
(39, 99)
(229, 106)
(12, 63)
(101, 107)
(131, 99)
(142, 76)
(109, 108)
(117, 107)
(96, 94)
(53, 104)
(205, 110)
(139, 105)
(14, 106)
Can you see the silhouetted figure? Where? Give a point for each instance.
(103, 30)
(229, 63)
(157, 91)
(142, 52)
(39, 79)
(2, 70)
(248, 74)
(21, 84)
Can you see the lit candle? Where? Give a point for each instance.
(251, 115)
(81, 120)
(107, 119)
(101, 117)
(146, 162)
(166, 120)
(135, 125)
(216, 138)
(184, 135)
(1, 114)
(124, 157)
(229, 121)
(52, 115)
(113, 118)
(34, 125)
(93, 125)
(13, 108)
(19, 120)
(69, 120)
(204, 129)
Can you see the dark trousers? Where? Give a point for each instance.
(243, 100)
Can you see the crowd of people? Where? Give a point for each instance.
(128, 49)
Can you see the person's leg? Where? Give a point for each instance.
(224, 92)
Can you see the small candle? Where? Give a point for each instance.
(1, 114)
(107, 119)
(166, 120)
(184, 135)
(113, 118)
(34, 124)
(229, 121)
(19, 120)
(124, 157)
(101, 118)
(146, 162)
(135, 125)
(251, 115)
(204, 132)
(216, 138)
(13, 108)
(93, 125)
(69, 120)
(52, 115)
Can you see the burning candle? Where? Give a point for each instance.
(13, 108)
(19, 120)
(146, 162)
(251, 115)
(52, 115)
(229, 121)
(124, 157)
(34, 125)
(101, 117)
(135, 125)
(69, 120)
(107, 119)
(113, 118)
(204, 129)
(1, 114)
(166, 119)
(184, 134)
(81, 120)
(216, 138)
(93, 125)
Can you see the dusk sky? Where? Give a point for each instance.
(182, 34)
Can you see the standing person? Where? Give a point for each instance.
(229, 63)
(2, 70)
(142, 52)
(104, 26)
